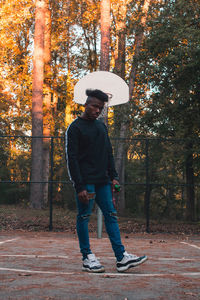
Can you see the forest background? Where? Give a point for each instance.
(47, 46)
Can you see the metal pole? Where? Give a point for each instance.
(51, 188)
(99, 223)
(147, 192)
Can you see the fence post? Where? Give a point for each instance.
(147, 190)
(51, 188)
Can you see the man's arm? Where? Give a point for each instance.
(111, 164)
(72, 150)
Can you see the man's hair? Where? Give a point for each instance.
(96, 94)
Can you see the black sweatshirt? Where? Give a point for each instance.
(89, 153)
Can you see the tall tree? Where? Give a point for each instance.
(47, 120)
(122, 115)
(36, 189)
(105, 35)
(120, 13)
(105, 44)
(171, 64)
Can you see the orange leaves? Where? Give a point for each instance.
(15, 12)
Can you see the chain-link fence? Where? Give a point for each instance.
(161, 176)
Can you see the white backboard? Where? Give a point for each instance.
(109, 83)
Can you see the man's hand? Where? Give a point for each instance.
(115, 182)
(83, 197)
(116, 185)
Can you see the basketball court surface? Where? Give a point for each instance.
(48, 266)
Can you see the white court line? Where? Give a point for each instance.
(103, 274)
(38, 272)
(191, 245)
(177, 259)
(33, 256)
(6, 241)
(148, 274)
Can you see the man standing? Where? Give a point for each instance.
(92, 170)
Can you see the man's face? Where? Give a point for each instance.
(93, 108)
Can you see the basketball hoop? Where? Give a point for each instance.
(111, 84)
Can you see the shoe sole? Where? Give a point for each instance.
(101, 270)
(132, 265)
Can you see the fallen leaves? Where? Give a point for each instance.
(26, 219)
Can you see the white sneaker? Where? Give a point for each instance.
(91, 264)
(129, 261)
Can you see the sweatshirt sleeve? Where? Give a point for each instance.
(111, 163)
(72, 150)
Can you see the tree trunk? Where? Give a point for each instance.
(118, 111)
(36, 195)
(190, 201)
(139, 35)
(105, 35)
(119, 68)
(105, 46)
(47, 101)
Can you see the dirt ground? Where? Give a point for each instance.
(47, 265)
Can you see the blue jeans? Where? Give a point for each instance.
(103, 198)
